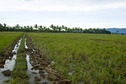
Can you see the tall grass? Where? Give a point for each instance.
(87, 58)
(6, 38)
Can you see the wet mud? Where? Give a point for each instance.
(7, 52)
(39, 67)
(8, 64)
(34, 75)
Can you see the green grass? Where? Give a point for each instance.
(19, 75)
(6, 38)
(93, 58)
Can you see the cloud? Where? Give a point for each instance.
(83, 13)
(60, 5)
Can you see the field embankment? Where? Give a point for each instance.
(19, 75)
(85, 58)
(7, 43)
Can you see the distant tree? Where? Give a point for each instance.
(60, 28)
(17, 27)
(31, 28)
(53, 27)
(63, 26)
(10, 28)
(57, 28)
(22, 29)
(14, 28)
(40, 28)
(66, 29)
(4, 27)
(44, 28)
(36, 26)
(47, 29)
(81, 30)
(1, 27)
(69, 29)
(25, 28)
(97, 31)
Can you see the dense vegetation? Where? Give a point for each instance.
(87, 58)
(52, 28)
(6, 38)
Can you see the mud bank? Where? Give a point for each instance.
(34, 75)
(5, 72)
(7, 53)
(19, 75)
(39, 62)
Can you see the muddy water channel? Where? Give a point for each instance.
(34, 73)
(9, 65)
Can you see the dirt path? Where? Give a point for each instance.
(41, 67)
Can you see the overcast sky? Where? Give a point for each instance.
(72, 13)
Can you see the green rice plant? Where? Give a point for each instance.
(92, 58)
(6, 39)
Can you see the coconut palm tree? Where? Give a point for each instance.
(36, 26)
(40, 28)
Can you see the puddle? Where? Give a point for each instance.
(70, 73)
(16, 47)
(9, 64)
(32, 72)
(34, 50)
(26, 47)
(29, 71)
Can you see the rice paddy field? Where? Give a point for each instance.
(85, 58)
(67, 58)
(6, 38)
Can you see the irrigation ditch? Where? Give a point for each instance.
(22, 63)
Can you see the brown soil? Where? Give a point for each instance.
(40, 62)
(7, 52)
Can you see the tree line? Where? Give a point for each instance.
(51, 28)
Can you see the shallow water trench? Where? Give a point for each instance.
(34, 73)
(9, 64)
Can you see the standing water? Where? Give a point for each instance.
(9, 64)
(31, 71)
